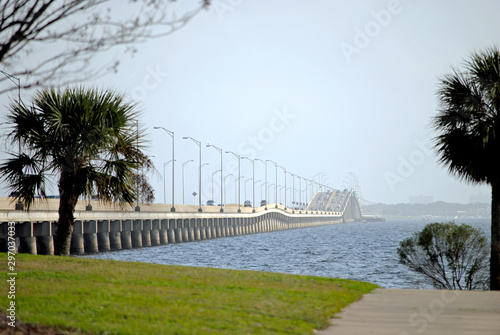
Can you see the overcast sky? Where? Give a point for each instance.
(328, 87)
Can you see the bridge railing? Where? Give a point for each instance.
(104, 231)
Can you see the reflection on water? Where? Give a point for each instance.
(360, 251)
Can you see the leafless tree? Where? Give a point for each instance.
(53, 41)
(146, 193)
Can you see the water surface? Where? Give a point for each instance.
(359, 251)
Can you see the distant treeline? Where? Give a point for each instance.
(438, 208)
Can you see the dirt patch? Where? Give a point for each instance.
(22, 328)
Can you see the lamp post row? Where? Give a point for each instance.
(223, 179)
(199, 170)
(171, 133)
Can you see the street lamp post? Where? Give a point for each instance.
(165, 182)
(246, 181)
(225, 197)
(171, 133)
(284, 169)
(290, 195)
(202, 165)
(265, 163)
(276, 191)
(199, 172)
(184, 164)
(270, 185)
(239, 178)
(253, 178)
(221, 177)
(213, 173)
(236, 187)
(300, 194)
(306, 199)
(200, 200)
(257, 181)
(320, 185)
(313, 192)
(317, 174)
(261, 186)
(293, 191)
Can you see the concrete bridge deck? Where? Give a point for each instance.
(106, 228)
(48, 210)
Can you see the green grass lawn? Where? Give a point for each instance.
(112, 297)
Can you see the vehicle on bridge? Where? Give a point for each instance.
(263, 203)
(247, 203)
(210, 203)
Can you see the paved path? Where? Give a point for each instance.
(408, 312)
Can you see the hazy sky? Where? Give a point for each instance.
(317, 86)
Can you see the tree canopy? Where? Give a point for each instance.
(467, 122)
(468, 127)
(449, 256)
(89, 139)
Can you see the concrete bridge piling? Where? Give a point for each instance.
(126, 234)
(103, 232)
(109, 230)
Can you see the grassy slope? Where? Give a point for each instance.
(135, 298)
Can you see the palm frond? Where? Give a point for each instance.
(90, 136)
(467, 122)
(25, 176)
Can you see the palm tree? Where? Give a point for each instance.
(468, 140)
(87, 138)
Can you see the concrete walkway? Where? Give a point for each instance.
(408, 312)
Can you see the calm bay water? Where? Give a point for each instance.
(359, 251)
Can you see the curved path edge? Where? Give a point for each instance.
(413, 311)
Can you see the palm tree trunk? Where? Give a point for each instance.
(495, 237)
(67, 204)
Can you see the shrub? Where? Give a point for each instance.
(449, 256)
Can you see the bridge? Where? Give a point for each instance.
(100, 228)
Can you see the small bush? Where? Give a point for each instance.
(449, 256)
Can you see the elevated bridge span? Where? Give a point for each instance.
(105, 228)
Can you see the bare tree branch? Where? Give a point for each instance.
(47, 42)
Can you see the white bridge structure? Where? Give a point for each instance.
(101, 228)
